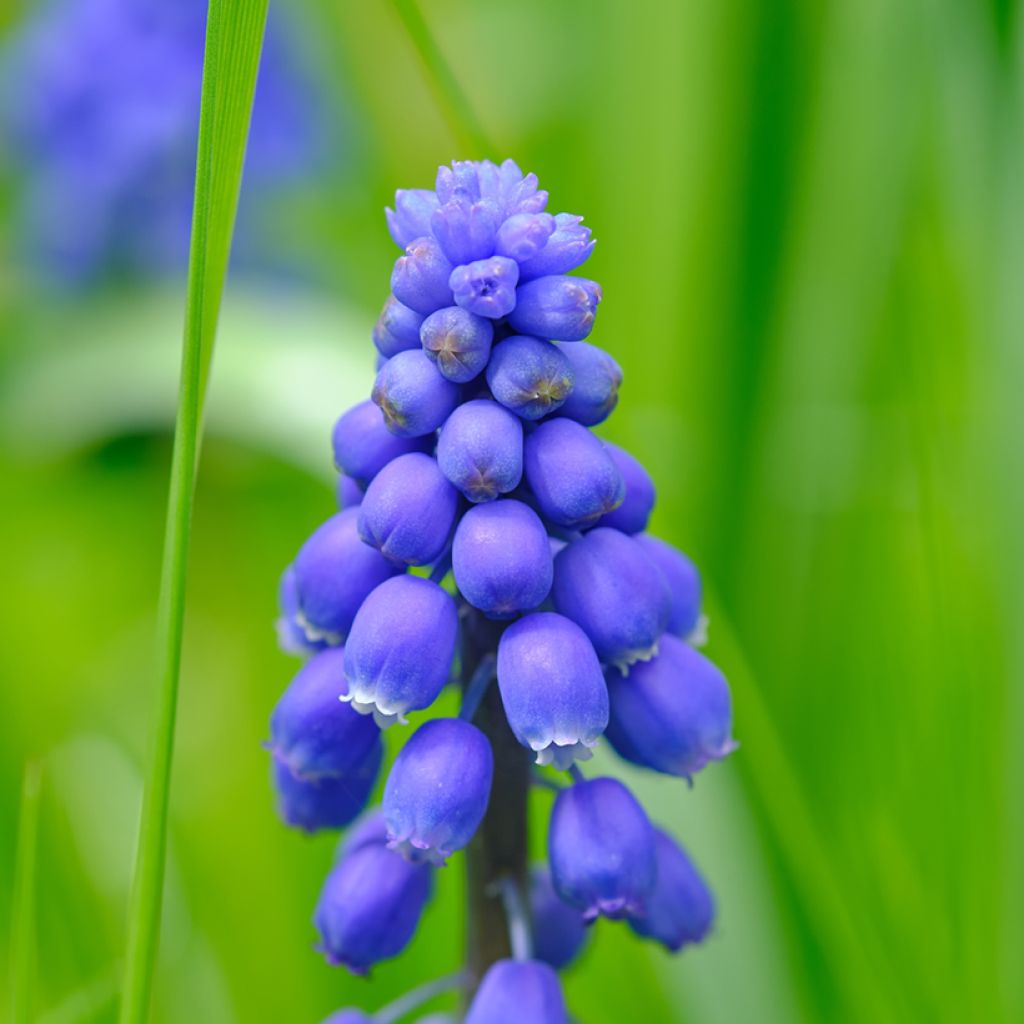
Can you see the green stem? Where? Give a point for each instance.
(233, 38)
(23, 913)
(451, 100)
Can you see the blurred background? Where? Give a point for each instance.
(811, 240)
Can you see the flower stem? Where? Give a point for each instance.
(518, 915)
(499, 848)
(416, 997)
(474, 690)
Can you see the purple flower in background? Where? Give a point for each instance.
(103, 132)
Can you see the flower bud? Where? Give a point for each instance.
(523, 235)
(400, 649)
(571, 473)
(681, 908)
(369, 907)
(632, 515)
(409, 511)
(558, 929)
(480, 450)
(569, 247)
(529, 376)
(515, 991)
(349, 493)
(311, 730)
(672, 713)
(458, 342)
(465, 230)
(683, 582)
(363, 445)
(291, 636)
(597, 376)
(557, 307)
(606, 583)
(420, 277)
(437, 792)
(413, 396)
(486, 287)
(334, 572)
(502, 559)
(601, 850)
(554, 694)
(328, 802)
(397, 329)
(411, 217)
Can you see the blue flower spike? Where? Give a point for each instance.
(489, 539)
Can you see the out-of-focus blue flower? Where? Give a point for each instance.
(681, 908)
(502, 559)
(327, 802)
(311, 730)
(571, 474)
(601, 849)
(672, 713)
(350, 1015)
(370, 906)
(480, 449)
(529, 376)
(349, 493)
(552, 689)
(291, 637)
(437, 792)
(683, 581)
(409, 510)
(102, 127)
(516, 991)
(334, 572)
(558, 929)
(400, 649)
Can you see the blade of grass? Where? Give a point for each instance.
(453, 103)
(234, 35)
(23, 916)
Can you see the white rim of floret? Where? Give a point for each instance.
(384, 716)
(314, 634)
(562, 756)
(419, 852)
(698, 636)
(630, 658)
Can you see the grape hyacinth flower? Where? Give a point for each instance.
(535, 590)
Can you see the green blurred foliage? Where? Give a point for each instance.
(811, 220)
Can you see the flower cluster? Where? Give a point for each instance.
(474, 463)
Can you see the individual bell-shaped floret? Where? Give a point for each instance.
(369, 907)
(480, 449)
(554, 694)
(558, 307)
(568, 247)
(459, 342)
(410, 219)
(349, 493)
(597, 376)
(672, 713)
(558, 929)
(529, 376)
(363, 445)
(632, 515)
(400, 649)
(683, 582)
(437, 792)
(516, 991)
(486, 287)
(465, 229)
(502, 559)
(370, 828)
(523, 235)
(291, 636)
(601, 850)
(334, 572)
(409, 511)
(397, 329)
(420, 277)
(328, 802)
(413, 396)
(607, 584)
(681, 909)
(313, 732)
(571, 473)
